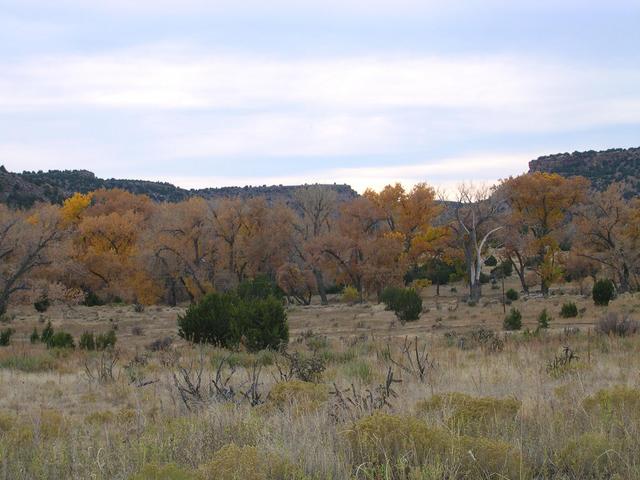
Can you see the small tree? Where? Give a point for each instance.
(512, 295)
(544, 319)
(390, 296)
(408, 305)
(5, 336)
(47, 333)
(208, 321)
(61, 340)
(603, 292)
(513, 320)
(87, 341)
(261, 324)
(569, 310)
(35, 337)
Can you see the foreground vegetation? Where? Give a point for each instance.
(559, 403)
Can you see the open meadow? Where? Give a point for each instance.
(356, 395)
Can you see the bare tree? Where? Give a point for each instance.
(476, 212)
(26, 239)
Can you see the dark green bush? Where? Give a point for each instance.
(390, 296)
(408, 305)
(228, 319)
(491, 261)
(484, 278)
(334, 289)
(42, 305)
(106, 341)
(35, 337)
(569, 310)
(61, 340)
(209, 321)
(87, 341)
(504, 269)
(544, 319)
(603, 292)
(513, 320)
(5, 336)
(47, 333)
(260, 324)
(92, 300)
(512, 295)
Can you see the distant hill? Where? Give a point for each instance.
(602, 168)
(26, 188)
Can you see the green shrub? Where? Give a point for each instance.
(618, 407)
(61, 340)
(512, 295)
(390, 296)
(34, 337)
(87, 341)
(513, 320)
(407, 305)
(227, 319)
(5, 336)
(491, 261)
(28, 363)
(42, 304)
(569, 310)
(603, 292)
(209, 321)
(544, 319)
(260, 324)
(484, 278)
(303, 396)
(92, 300)
(105, 341)
(47, 333)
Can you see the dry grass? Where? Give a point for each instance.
(518, 418)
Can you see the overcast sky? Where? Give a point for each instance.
(212, 93)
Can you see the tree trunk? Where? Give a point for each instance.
(475, 291)
(322, 291)
(3, 306)
(437, 289)
(544, 288)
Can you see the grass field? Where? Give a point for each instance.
(442, 397)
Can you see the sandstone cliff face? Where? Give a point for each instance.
(602, 168)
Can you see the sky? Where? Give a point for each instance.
(212, 93)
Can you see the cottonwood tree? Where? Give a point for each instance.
(476, 220)
(609, 234)
(540, 205)
(316, 207)
(26, 243)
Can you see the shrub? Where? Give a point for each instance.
(472, 415)
(260, 324)
(232, 462)
(334, 289)
(603, 292)
(28, 363)
(47, 333)
(226, 320)
(208, 321)
(164, 472)
(484, 278)
(569, 310)
(61, 340)
(106, 341)
(618, 407)
(390, 296)
(87, 341)
(34, 337)
(350, 295)
(5, 336)
(303, 396)
(92, 300)
(395, 441)
(512, 295)
(42, 304)
(491, 261)
(591, 455)
(407, 305)
(615, 324)
(513, 320)
(544, 319)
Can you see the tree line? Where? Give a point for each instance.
(112, 244)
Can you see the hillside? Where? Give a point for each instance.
(602, 168)
(26, 188)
